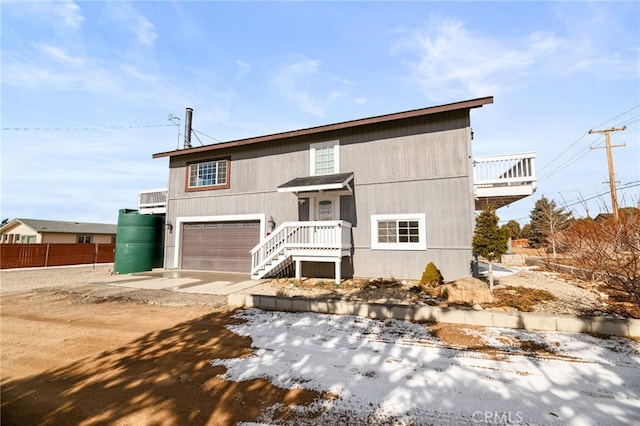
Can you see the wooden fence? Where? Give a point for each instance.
(54, 254)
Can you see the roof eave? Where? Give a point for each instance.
(468, 104)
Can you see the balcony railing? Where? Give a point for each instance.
(500, 180)
(152, 201)
(505, 169)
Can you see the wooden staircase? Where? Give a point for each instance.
(295, 242)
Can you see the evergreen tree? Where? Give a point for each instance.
(513, 228)
(547, 220)
(526, 231)
(489, 241)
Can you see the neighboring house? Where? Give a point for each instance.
(630, 211)
(604, 216)
(374, 197)
(54, 231)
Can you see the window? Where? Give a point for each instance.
(84, 239)
(324, 158)
(398, 232)
(208, 175)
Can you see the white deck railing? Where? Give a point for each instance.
(505, 170)
(318, 239)
(152, 201)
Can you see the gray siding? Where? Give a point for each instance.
(422, 167)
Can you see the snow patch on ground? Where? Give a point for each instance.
(498, 270)
(395, 372)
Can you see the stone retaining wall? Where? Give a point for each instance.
(423, 313)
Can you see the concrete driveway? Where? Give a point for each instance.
(199, 282)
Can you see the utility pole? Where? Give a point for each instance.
(612, 178)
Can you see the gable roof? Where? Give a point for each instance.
(61, 227)
(456, 106)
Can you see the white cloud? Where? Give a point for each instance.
(65, 13)
(55, 17)
(337, 95)
(243, 68)
(287, 82)
(138, 74)
(59, 54)
(138, 24)
(307, 86)
(601, 40)
(448, 60)
(69, 11)
(56, 69)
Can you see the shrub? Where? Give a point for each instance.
(609, 249)
(431, 276)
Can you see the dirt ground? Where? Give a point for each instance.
(75, 356)
(89, 354)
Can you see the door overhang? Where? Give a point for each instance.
(336, 184)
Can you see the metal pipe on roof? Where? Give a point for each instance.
(187, 128)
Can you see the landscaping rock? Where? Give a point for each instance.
(467, 290)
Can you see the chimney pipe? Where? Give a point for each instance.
(187, 128)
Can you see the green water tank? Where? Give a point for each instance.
(139, 242)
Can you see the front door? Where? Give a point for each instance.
(325, 209)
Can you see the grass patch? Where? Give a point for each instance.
(522, 298)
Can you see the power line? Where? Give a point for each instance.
(63, 129)
(563, 152)
(627, 185)
(571, 160)
(620, 188)
(584, 151)
(635, 118)
(619, 115)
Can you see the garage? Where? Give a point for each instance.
(219, 246)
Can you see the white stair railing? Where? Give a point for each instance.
(321, 238)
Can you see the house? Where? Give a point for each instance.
(623, 211)
(54, 231)
(374, 197)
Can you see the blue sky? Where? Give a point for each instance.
(91, 85)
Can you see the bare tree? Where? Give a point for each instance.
(609, 249)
